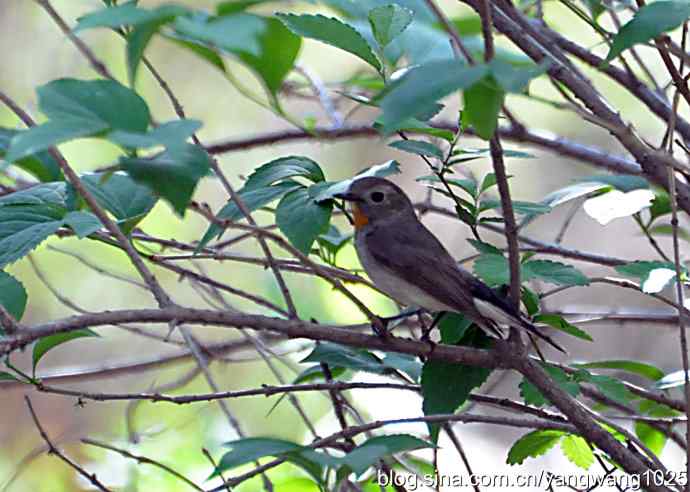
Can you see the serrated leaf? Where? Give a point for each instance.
(492, 269)
(649, 22)
(13, 296)
(418, 147)
(173, 174)
(616, 204)
(331, 31)
(561, 324)
(54, 194)
(453, 327)
(45, 344)
(327, 190)
(24, 227)
(252, 200)
(533, 444)
(577, 451)
(302, 219)
(375, 448)
(645, 370)
(282, 168)
(553, 272)
(388, 22)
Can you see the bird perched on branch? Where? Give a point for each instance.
(407, 262)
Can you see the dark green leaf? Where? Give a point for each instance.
(611, 387)
(128, 14)
(622, 182)
(41, 165)
(530, 300)
(468, 185)
(38, 139)
(632, 366)
(252, 199)
(54, 194)
(333, 240)
(120, 195)
(82, 223)
(372, 450)
(169, 134)
(532, 396)
(533, 444)
(173, 174)
(301, 219)
(331, 31)
(231, 33)
(577, 451)
(515, 78)
(326, 191)
(388, 22)
(553, 272)
(423, 86)
(48, 343)
(284, 167)
(561, 324)
(23, 227)
(492, 269)
(250, 449)
(649, 22)
(661, 205)
(12, 295)
(519, 207)
(483, 102)
(235, 6)
(408, 364)
(341, 356)
(453, 327)
(418, 147)
(6, 376)
(483, 247)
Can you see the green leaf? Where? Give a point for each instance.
(483, 102)
(235, 6)
(128, 201)
(531, 394)
(654, 439)
(230, 33)
(553, 272)
(331, 31)
(611, 387)
(483, 247)
(316, 372)
(519, 207)
(622, 182)
(649, 22)
(103, 101)
(173, 174)
(388, 22)
(661, 205)
(446, 386)
(653, 275)
(45, 344)
(6, 376)
(197, 48)
(418, 147)
(128, 14)
(168, 134)
(12, 295)
(531, 301)
(648, 371)
(282, 168)
(453, 327)
(616, 204)
(351, 358)
(422, 86)
(561, 324)
(533, 444)
(38, 139)
(468, 185)
(301, 219)
(54, 194)
(41, 165)
(327, 190)
(23, 227)
(408, 364)
(492, 269)
(372, 450)
(243, 451)
(252, 199)
(333, 240)
(515, 78)
(577, 451)
(82, 223)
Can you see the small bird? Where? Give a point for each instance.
(407, 262)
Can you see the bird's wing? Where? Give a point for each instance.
(416, 256)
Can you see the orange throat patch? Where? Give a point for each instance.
(360, 219)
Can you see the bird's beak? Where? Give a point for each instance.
(348, 197)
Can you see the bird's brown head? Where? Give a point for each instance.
(377, 200)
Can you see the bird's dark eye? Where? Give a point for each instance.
(377, 197)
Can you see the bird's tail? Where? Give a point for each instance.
(530, 328)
